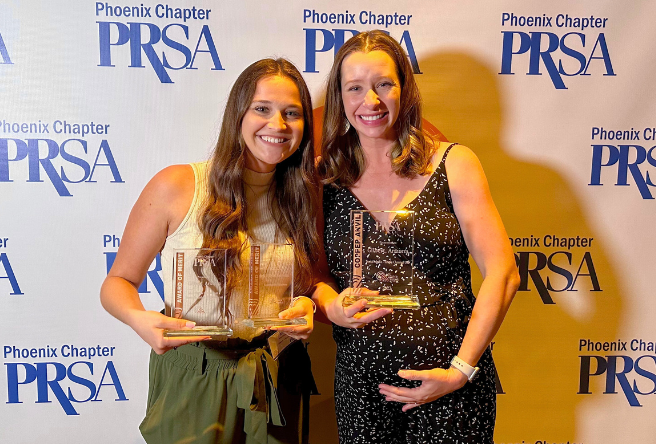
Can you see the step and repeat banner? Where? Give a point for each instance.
(558, 100)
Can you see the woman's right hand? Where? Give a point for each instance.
(352, 316)
(150, 326)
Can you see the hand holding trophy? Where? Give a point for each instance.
(199, 289)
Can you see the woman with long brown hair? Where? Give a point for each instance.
(258, 187)
(409, 375)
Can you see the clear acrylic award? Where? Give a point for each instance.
(270, 285)
(199, 292)
(382, 257)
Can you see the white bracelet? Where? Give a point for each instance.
(314, 306)
(469, 371)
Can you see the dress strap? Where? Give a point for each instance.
(446, 152)
(441, 167)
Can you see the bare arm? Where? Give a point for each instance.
(488, 244)
(159, 210)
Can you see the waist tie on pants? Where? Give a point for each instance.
(257, 393)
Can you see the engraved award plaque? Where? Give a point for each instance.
(199, 292)
(382, 259)
(270, 285)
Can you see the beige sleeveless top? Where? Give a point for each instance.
(261, 229)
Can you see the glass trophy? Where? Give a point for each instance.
(270, 285)
(382, 259)
(199, 282)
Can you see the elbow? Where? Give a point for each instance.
(109, 291)
(104, 294)
(512, 284)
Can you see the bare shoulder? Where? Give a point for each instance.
(172, 181)
(171, 187)
(460, 152)
(464, 170)
(461, 156)
(168, 194)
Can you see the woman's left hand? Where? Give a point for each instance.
(302, 308)
(435, 383)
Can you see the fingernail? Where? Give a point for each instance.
(190, 324)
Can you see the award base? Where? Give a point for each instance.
(272, 322)
(393, 301)
(207, 330)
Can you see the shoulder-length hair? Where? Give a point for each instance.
(342, 159)
(293, 195)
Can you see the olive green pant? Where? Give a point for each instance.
(202, 395)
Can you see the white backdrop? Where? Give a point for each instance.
(65, 196)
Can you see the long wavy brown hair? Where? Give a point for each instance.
(293, 194)
(342, 159)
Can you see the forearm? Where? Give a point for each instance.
(120, 298)
(324, 293)
(492, 303)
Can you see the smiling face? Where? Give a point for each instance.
(272, 127)
(371, 93)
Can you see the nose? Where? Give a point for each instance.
(371, 99)
(277, 121)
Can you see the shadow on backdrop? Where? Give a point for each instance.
(537, 348)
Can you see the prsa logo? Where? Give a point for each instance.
(4, 54)
(557, 271)
(321, 40)
(7, 272)
(635, 375)
(624, 158)
(166, 47)
(154, 274)
(574, 52)
(71, 161)
(38, 372)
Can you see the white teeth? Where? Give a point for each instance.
(272, 139)
(372, 118)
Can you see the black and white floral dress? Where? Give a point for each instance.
(410, 339)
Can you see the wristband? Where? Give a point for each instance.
(466, 369)
(314, 306)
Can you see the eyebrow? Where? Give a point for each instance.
(268, 102)
(352, 81)
(358, 80)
